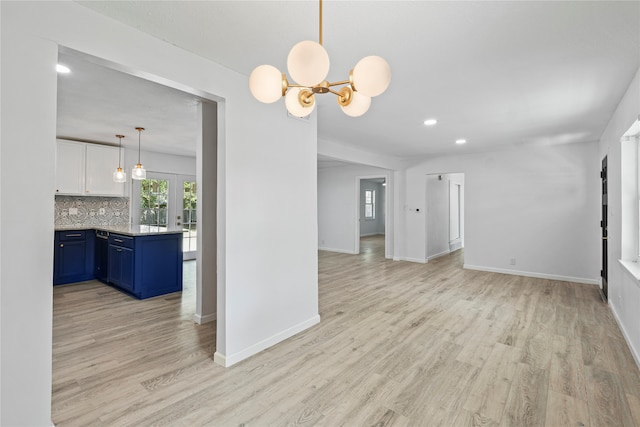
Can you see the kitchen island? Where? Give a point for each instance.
(142, 261)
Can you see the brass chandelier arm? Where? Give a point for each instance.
(340, 83)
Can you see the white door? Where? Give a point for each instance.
(169, 201)
(188, 218)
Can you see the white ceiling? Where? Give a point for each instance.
(495, 73)
(95, 103)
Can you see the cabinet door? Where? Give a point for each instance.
(71, 259)
(121, 267)
(101, 161)
(70, 168)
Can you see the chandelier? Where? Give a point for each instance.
(308, 65)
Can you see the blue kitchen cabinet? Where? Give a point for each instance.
(121, 262)
(146, 266)
(73, 256)
(102, 256)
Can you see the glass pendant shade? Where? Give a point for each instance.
(371, 76)
(292, 101)
(119, 175)
(138, 172)
(265, 83)
(308, 63)
(358, 106)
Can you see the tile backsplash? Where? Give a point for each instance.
(87, 210)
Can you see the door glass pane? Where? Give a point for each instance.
(189, 219)
(154, 195)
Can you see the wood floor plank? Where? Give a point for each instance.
(608, 405)
(563, 410)
(399, 344)
(527, 401)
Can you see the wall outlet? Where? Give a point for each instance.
(512, 261)
(73, 211)
(322, 241)
(101, 211)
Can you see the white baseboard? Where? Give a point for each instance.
(532, 274)
(454, 246)
(199, 319)
(401, 258)
(227, 361)
(340, 251)
(635, 355)
(443, 253)
(220, 359)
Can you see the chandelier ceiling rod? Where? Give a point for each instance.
(320, 37)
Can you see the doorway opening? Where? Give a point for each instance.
(445, 214)
(170, 199)
(371, 236)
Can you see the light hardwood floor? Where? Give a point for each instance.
(399, 344)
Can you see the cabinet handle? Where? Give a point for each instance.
(72, 235)
(117, 240)
(61, 245)
(118, 250)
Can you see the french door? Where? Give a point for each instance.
(167, 200)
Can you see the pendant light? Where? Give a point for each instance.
(119, 175)
(308, 65)
(139, 172)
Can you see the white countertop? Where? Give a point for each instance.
(128, 230)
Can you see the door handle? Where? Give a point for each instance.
(605, 238)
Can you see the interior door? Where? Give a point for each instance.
(603, 224)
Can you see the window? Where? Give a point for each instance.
(370, 204)
(630, 177)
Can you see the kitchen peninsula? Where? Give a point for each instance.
(142, 261)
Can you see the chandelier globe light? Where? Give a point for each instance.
(308, 65)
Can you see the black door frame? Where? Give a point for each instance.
(604, 273)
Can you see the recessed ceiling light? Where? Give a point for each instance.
(461, 141)
(430, 122)
(62, 69)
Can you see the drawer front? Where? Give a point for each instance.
(120, 240)
(65, 236)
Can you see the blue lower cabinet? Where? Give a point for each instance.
(73, 256)
(146, 266)
(121, 267)
(142, 266)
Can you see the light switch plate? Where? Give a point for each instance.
(73, 211)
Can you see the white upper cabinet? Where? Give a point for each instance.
(86, 169)
(101, 161)
(70, 168)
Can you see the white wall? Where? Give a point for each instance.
(538, 204)
(624, 291)
(370, 227)
(269, 163)
(337, 209)
(160, 162)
